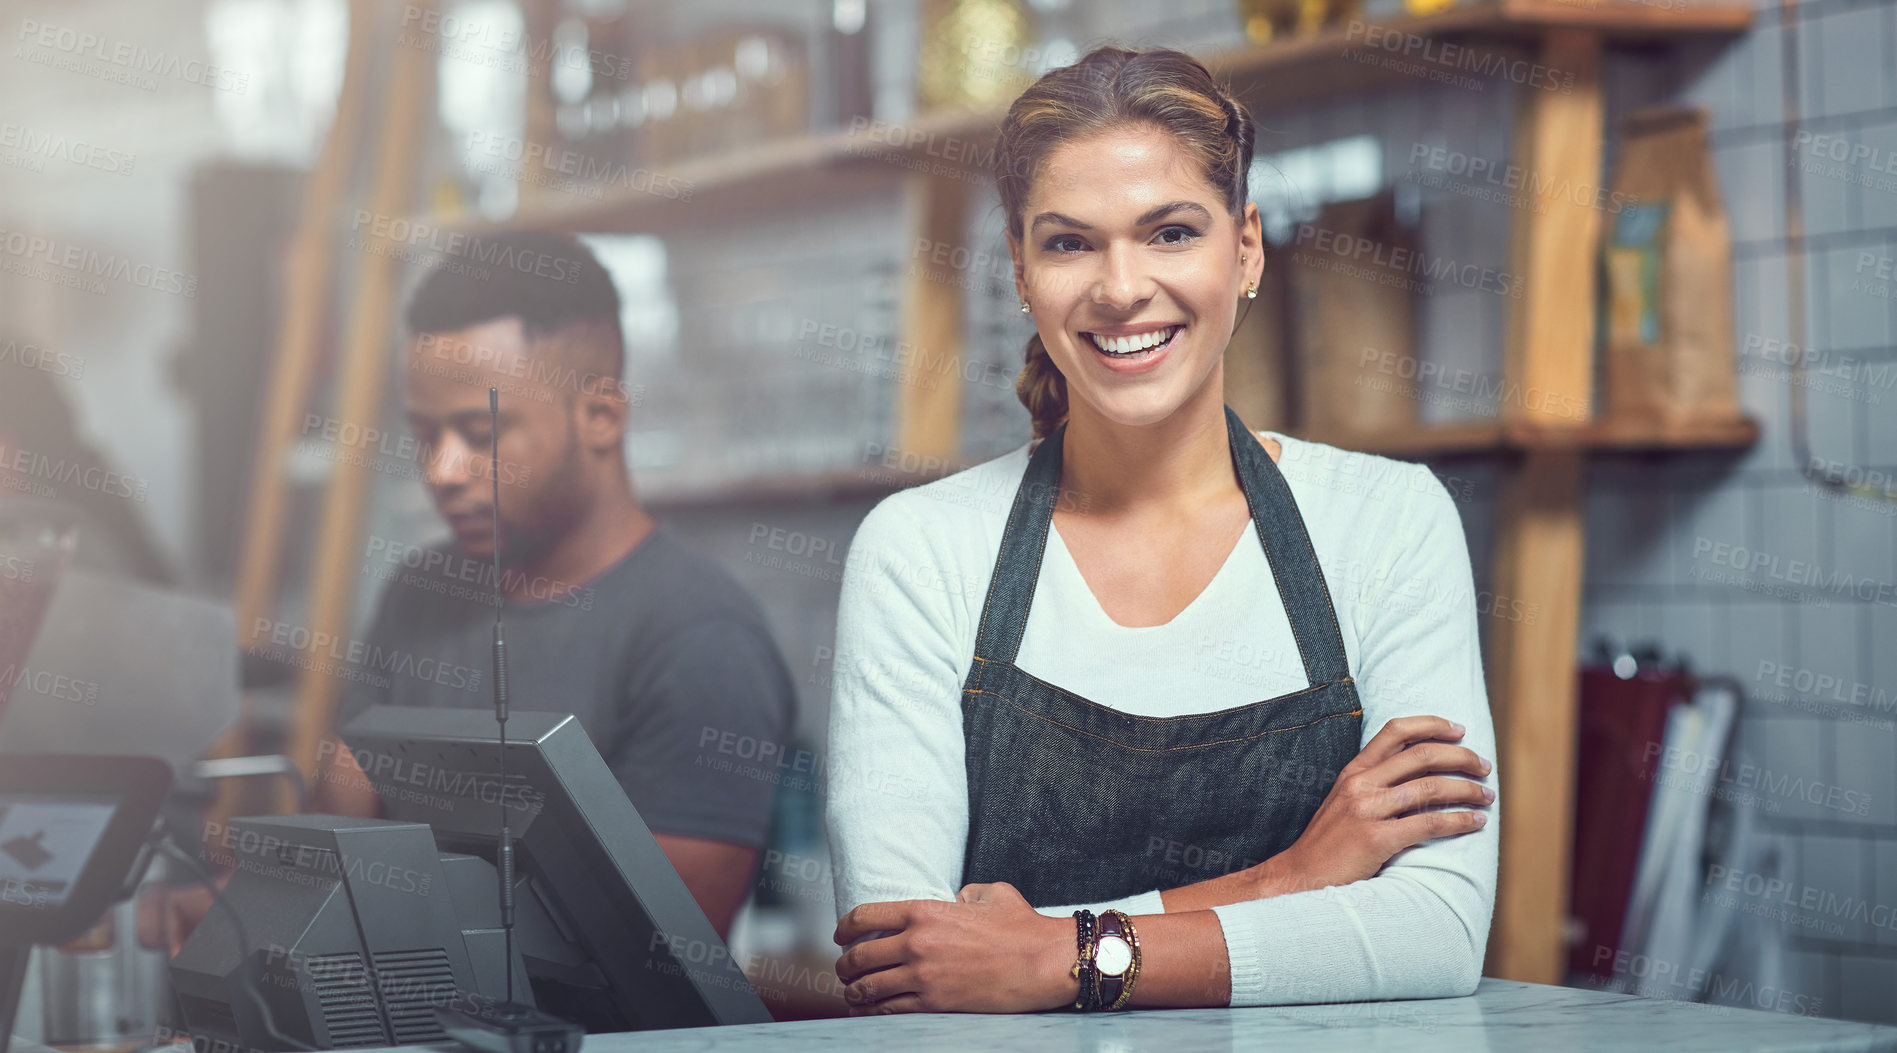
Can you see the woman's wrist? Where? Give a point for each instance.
(1275, 876)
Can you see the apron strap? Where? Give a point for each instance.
(1301, 585)
(1004, 616)
(1280, 529)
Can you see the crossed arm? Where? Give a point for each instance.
(990, 951)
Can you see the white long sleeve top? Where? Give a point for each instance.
(1390, 542)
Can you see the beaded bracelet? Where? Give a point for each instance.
(1089, 997)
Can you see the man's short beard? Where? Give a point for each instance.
(525, 545)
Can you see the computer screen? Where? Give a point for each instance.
(71, 828)
(45, 843)
(124, 668)
(74, 831)
(611, 937)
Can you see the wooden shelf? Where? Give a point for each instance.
(775, 173)
(783, 171)
(1344, 59)
(1736, 433)
(1498, 436)
(1476, 438)
(807, 488)
(1623, 20)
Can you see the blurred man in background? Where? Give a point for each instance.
(610, 615)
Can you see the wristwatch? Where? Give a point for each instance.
(1116, 958)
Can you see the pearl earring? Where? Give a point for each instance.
(1024, 307)
(1251, 293)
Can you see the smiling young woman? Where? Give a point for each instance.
(1155, 710)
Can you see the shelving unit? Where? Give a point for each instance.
(1498, 436)
(938, 158)
(784, 170)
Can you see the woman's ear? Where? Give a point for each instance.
(1020, 269)
(1251, 245)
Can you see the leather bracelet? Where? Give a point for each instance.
(1089, 997)
(1116, 976)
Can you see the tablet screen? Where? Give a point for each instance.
(45, 842)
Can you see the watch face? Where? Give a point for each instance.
(1114, 957)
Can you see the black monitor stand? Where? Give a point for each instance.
(356, 930)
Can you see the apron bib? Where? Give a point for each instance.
(1074, 802)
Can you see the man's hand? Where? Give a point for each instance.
(342, 788)
(987, 952)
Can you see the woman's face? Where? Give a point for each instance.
(1129, 260)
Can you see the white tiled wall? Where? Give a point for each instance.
(1643, 518)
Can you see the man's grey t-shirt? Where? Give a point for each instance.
(659, 655)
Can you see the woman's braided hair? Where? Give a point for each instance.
(1112, 86)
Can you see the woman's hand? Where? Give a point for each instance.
(987, 952)
(1372, 812)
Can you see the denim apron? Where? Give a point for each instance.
(1075, 802)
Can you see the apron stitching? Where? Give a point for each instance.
(1165, 749)
(1134, 716)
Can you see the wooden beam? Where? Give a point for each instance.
(359, 396)
(308, 264)
(929, 390)
(1539, 540)
(1533, 688)
(309, 261)
(539, 18)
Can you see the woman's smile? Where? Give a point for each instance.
(1132, 349)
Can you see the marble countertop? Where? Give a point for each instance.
(1502, 1015)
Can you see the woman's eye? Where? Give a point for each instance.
(1175, 235)
(1064, 243)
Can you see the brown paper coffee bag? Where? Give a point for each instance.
(1668, 277)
